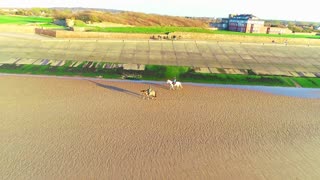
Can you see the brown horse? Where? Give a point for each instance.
(148, 94)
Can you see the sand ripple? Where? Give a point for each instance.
(69, 129)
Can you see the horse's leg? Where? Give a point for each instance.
(144, 95)
(180, 85)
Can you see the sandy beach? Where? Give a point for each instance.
(93, 129)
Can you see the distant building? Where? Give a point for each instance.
(247, 23)
(223, 25)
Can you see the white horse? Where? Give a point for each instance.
(177, 85)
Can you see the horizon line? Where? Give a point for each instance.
(215, 17)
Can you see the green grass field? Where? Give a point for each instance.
(24, 20)
(45, 22)
(150, 30)
(308, 82)
(163, 30)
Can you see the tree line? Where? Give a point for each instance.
(294, 26)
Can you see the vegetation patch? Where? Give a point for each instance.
(236, 79)
(44, 22)
(24, 20)
(308, 82)
(149, 30)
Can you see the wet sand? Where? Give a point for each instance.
(79, 129)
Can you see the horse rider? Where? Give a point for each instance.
(174, 81)
(149, 90)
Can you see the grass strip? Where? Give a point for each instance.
(166, 30)
(159, 73)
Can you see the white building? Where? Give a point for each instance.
(245, 23)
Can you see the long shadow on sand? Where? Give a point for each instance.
(116, 89)
(157, 85)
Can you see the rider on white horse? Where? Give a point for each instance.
(174, 81)
(174, 84)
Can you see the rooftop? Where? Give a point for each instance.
(243, 16)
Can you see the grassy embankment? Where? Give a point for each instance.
(64, 70)
(158, 73)
(45, 22)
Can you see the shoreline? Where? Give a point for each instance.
(308, 93)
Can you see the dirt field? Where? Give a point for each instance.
(78, 129)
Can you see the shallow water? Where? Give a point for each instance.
(283, 91)
(313, 93)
